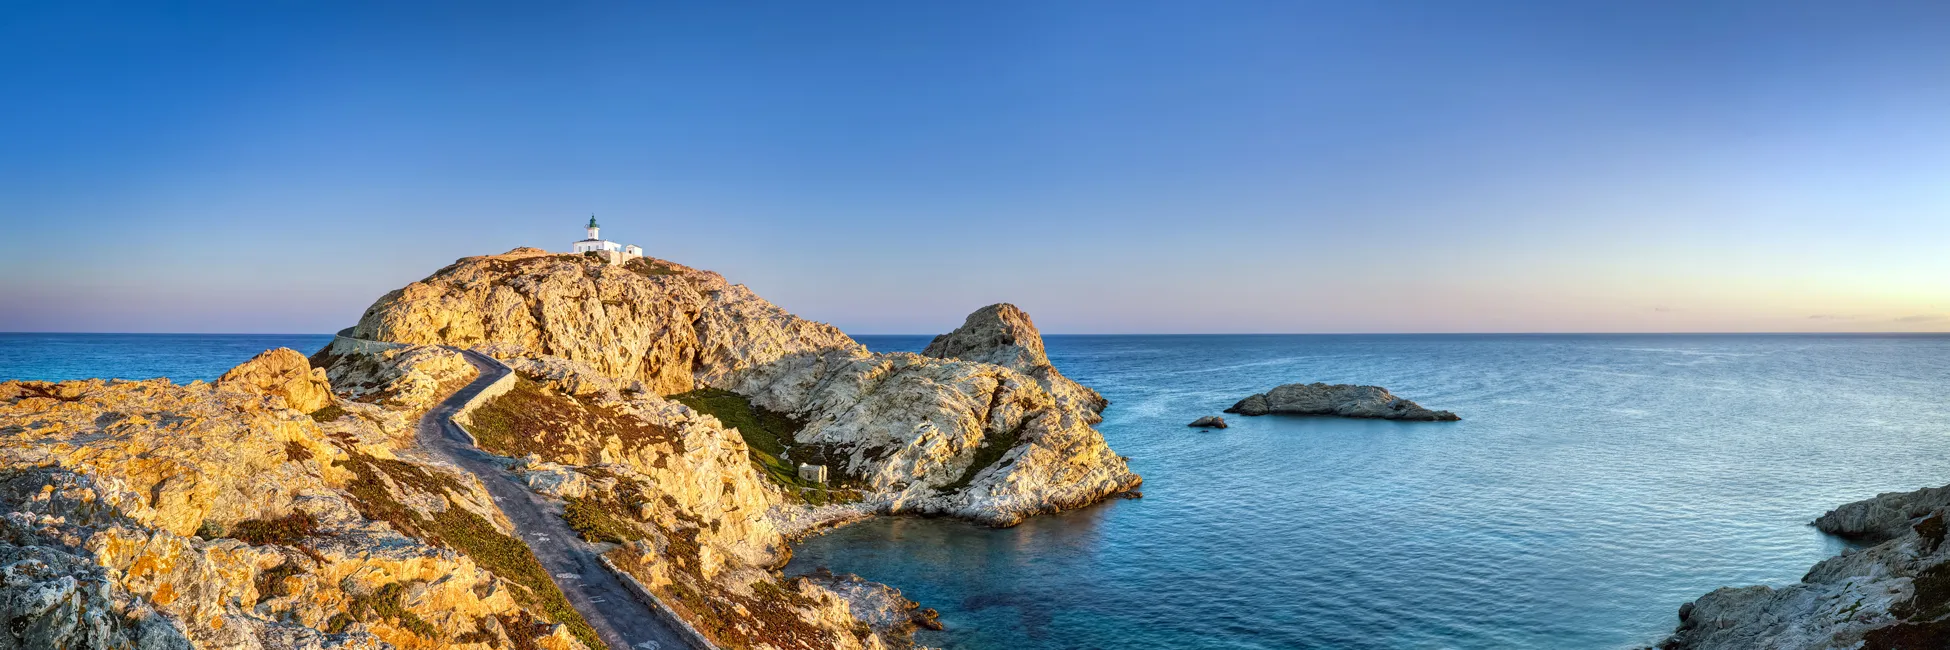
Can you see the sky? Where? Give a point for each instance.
(1111, 167)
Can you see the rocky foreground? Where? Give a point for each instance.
(1344, 400)
(661, 411)
(1893, 595)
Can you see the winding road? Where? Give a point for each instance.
(623, 621)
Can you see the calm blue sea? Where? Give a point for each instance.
(1594, 485)
(180, 357)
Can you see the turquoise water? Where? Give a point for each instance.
(180, 357)
(1595, 484)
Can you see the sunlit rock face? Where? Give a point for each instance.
(667, 325)
(982, 427)
(1004, 335)
(283, 372)
(242, 515)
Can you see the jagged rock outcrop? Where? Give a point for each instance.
(1209, 422)
(1344, 400)
(994, 434)
(1889, 596)
(1887, 516)
(154, 515)
(1004, 335)
(283, 372)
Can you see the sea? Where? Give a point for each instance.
(1594, 484)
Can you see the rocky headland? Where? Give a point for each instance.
(980, 426)
(659, 410)
(1889, 596)
(1343, 400)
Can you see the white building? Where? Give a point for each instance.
(612, 251)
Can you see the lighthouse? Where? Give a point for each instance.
(609, 250)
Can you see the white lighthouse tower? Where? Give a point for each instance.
(609, 250)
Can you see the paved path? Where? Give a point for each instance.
(624, 622)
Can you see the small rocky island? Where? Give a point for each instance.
(1344, 400)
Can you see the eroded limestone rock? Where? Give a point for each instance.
(283, 372)
(154, 515)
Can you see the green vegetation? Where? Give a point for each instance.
(599, 521)
(767, 433)
(992, 449)
(771, 615)
(328, 414)
(284, 531)
(647, 268)
(270, 583)
(532, 419)
(458, 529)
(384, 605)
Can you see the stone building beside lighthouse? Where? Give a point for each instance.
(609, 250)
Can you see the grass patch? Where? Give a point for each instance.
(383, 605)
(270, 583)
(463, 531)
(645, 267)
(532, 419)
(774, 613)
(992, 449)
(283, 531)
(328, 414)
(598, 523)
(767, 434)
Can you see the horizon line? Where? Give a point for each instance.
(1047, 334)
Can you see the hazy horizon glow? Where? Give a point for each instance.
(1111, 167)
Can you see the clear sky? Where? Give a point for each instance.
(1117, 166)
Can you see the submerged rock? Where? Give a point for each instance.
(1344, 400)
(1209, 422)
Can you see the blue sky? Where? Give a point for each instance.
(888, 167)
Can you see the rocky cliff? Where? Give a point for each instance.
(981, 427)
(1894, 595)
(245, 514)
